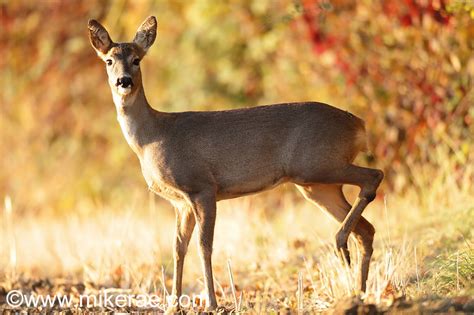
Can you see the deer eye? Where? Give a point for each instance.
(136, 61)
(108, 62)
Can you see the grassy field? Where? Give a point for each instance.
(278, 246)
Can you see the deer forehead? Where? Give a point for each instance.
(125, 51)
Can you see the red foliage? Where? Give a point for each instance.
(391, 59)
(410, 12)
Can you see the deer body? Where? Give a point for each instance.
(239, 152)
(194, 159)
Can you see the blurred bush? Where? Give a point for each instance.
(406, 67)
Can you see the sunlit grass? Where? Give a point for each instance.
(280, 248)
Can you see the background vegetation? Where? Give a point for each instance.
(405, 67)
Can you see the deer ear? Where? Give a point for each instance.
(146, 33)
(99, 37)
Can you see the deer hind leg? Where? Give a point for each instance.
(368, 180)
(330, 198)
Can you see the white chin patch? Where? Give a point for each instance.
(124, 91)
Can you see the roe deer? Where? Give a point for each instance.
(194, 159)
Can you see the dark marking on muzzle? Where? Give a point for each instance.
(124, 82)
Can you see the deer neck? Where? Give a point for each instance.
(136, 118)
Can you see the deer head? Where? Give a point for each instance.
(123, 59)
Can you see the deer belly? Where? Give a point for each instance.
(243, 188)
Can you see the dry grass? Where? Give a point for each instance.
(279, 247)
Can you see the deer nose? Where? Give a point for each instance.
(125, 82)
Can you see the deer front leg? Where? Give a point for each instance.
(204, 207)
(185, 222)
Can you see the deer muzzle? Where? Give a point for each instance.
(124, 82)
